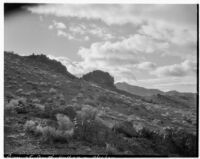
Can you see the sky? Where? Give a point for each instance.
(148, 45)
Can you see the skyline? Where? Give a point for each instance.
(152, 46)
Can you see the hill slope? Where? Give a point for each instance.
(49, 111)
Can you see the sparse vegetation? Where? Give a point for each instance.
(77, 117)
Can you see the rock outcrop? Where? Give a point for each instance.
(100, 78)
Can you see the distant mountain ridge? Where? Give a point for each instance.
(141, 91)
(170, 98)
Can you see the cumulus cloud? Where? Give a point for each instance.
(86, 38)
(59, 25)
(78, 29)
(163, 31)
(185, 68)
(181, 40)
(146, 65)
(100, 32)
(126, 51)
(64, 34)
(50, 27)
(93, 29)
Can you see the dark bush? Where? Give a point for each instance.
(172, 141)
(125, 128)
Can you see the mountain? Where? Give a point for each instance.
(48, 111)
(170, 98)
(137, 90)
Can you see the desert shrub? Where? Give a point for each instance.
(173, 141)
(51, 110)
(125, 128)
(88, 128)
(40, 107)
(182, 142)
(51, 134)
(111, 99)
(111, 150)
(146, 133)
(30, 126)
(69, 111)
(91, 131)
(87, 113)
(64, 123)
(91, 102)
(13, 103)
(16, 105)
(62, 133)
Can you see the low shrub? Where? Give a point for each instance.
(88, 128)
(172, 140)
(64, 122)
(51, 134)
(30, 126)
(63, 132)
(87, 113)
(125, 128)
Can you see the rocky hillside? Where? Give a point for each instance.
(48, 111)
(137, 90)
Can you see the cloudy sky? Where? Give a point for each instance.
(152, 46)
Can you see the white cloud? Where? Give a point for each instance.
(181, 40)
(86, 38)
(183, 69)
(126, 51)
(50, 27)
(120, 13)
(179, 35)
(77, 29)
(64, 34)
(146, 65)
(99, 32)
(59, 25)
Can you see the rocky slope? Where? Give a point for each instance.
(49, 111)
